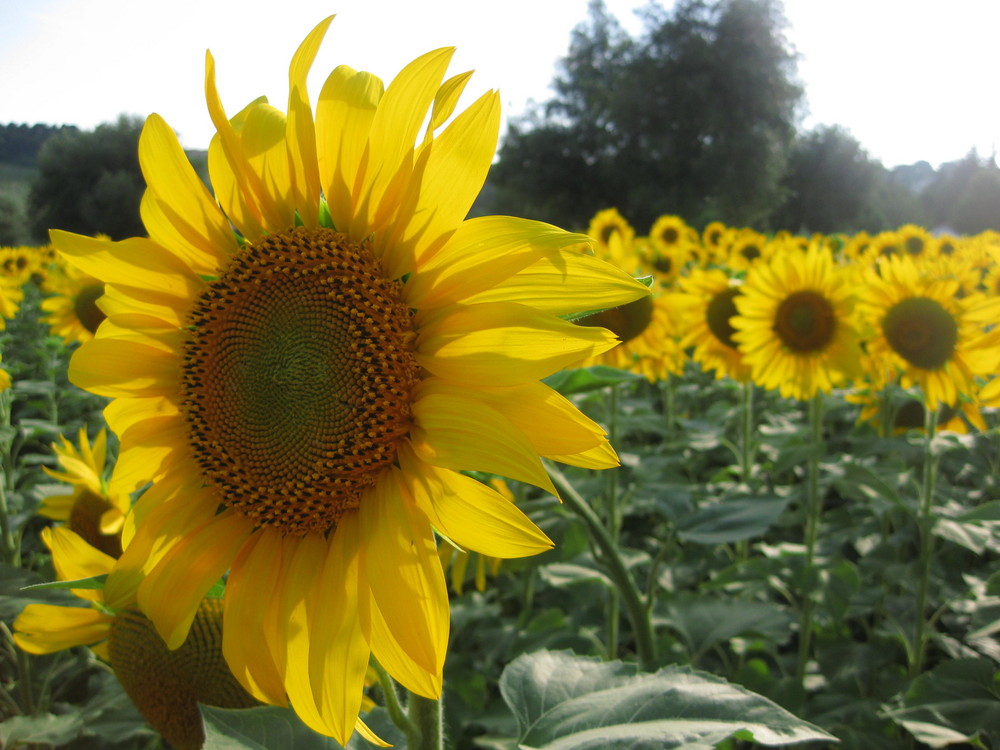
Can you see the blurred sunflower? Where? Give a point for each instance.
(795, 326)
(73, 313)
(917, 241)
(17, 264)
(166, 686)
(715, 239)
(92, 510)
(4, 377)
(921, 330)
(746, 249)
(607, 223)
(305, 396)
(707, 325)
(883, 245)
(11, 296)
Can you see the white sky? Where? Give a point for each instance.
(911, 79)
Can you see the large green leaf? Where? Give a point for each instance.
(954, 702)
(731, 520)
(702, 621)
(46, 729)
(566, 702)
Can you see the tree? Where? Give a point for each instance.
(832, 185)
(89, 182)
(695, 117)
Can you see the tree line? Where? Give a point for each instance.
(695, 116)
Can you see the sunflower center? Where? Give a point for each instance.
(805, 321)
(626, 322)
(718, 314)
(670, 235)
(921, 331)
(297, 378)
(86, 309)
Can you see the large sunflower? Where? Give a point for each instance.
(795, 326)
(305, 395)
(922, 330)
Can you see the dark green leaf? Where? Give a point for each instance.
(47, 729)
(732, 520)
(565, 702)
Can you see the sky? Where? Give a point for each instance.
(910, 79)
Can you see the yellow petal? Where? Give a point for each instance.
(344, 115)
(600, 457)
(73, 558)
(264, 144)
(338, 649)
(393, 133)
(480, 254)
(395, 660)
(117, 368)
(444, 189)
(177, 511)
(301, 131)
(471, 514)
(566, 282)
(404, 572)
(251, 594)
(453, 431)
(136, 263)
(550, 421)
(45, 628)
(179, 212)
(504, 344)
(172, 591)
(300, 594)
(446, 100)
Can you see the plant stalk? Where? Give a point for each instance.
(631, 598)
(925, 524)
(814, 509)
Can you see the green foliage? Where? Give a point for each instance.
(89, 182)
(565, 702)
(20, 142)
(693, 118)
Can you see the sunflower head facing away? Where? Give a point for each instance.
(305, 393)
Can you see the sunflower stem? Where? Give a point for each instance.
(746, 431)
(667, 392)
(925, 525)
(392, 704)
(814, 509)
(425, 720)
(638, 614)
(614, 522)
(10, 549)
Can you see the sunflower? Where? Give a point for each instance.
(795, 327)
(746, 249)
(715, 239)
(925, 333)
(707, 326)
(917, 241)
(92, 509)
(166, 686)
(304, 395)
(607, 223)
(4, 377)
(73, 313)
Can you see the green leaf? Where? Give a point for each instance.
(47, 729)
(566, 702)
(731, 520)
(703, 622)
(93, 582)
(584, 379)
(17, 591)
(961, 695)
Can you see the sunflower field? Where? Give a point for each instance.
(321, 463)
